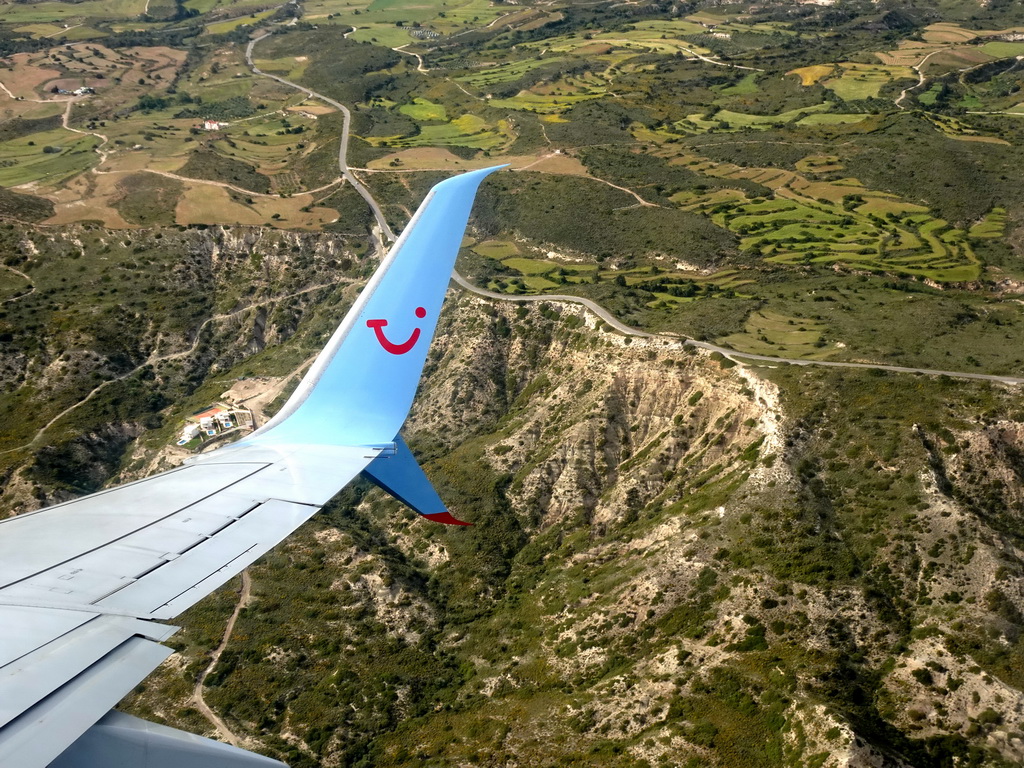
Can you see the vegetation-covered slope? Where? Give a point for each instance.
(674, 562)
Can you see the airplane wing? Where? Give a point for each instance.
(85, 585)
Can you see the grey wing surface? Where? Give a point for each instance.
(80, 632)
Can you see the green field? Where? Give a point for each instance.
(502, 73)
(23, 13)
(531, 266)
(744, 87)
(864, 81)
(24, 160)
(382, 34)
(727, 119)
(531, 275)
(832, 118)
(545, 104)
(203, 6)
(770, 333)
(287, 67)
(466, 131)
(424, 110)
(496, 249)
(1003, 49)
(675, 28)
(222, 27)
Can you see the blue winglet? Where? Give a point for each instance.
(400, 475)
(359, 390)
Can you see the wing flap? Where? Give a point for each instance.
(41, 733)
(34, 676)
(67, 531)
(27, 628)
(156, 555)
(304, 474)
(182, 582)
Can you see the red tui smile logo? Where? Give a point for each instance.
(390, 346)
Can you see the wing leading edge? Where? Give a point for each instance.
(83, 584)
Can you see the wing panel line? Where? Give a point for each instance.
(169, 515)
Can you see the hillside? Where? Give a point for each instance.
(674, 562)
(678, 558)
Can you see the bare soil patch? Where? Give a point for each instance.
(88, 198)
(24, 78)
(71, 83)
(420, 158)
(566, 165)
(312, 109)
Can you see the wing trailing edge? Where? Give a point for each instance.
(398, 473)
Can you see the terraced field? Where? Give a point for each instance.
(840, 222)
(992, 226)
(730, 120)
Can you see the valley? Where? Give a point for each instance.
(730, 385)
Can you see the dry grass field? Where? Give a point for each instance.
(88, 197)
(440, 159)
(948, 33)
(812, 74)
(210, 204)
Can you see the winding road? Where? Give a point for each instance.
(621, 327)
(345, 128)
(592, 306)
(920, 78)
(197, 694)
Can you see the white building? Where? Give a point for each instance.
(190, 432)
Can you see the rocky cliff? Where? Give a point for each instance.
(676, 561)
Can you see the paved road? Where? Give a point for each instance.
(602, 313)
(839, 364)
(342, 149)
(597, 309)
